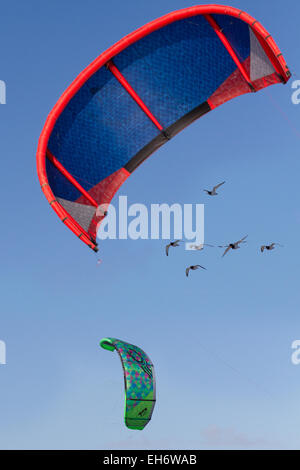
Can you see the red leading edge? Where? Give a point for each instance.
(265, 39)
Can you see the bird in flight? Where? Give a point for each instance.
(233, 246)
(213, 191)
(175, 243)
(200, 247)
(193, 268)
(269, 247)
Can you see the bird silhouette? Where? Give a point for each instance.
(269, 247)
(174, 244)
(213, 191)
(193, 268)
(233, 246)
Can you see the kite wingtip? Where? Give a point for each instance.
(106, 343)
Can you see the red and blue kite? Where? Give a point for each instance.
(139, 94)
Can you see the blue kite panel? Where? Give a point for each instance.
(176, 68)
(238, 34)
(98, 133)
(173, 70)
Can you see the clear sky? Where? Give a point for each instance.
(220, 340)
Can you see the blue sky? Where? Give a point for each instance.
(220, 340)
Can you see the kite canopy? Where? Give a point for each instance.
(140, 93)
(139, 382)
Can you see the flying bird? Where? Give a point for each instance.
(175, 243)
(193, 268)
(233, 246)
(213, 192)
(269, 247)
(200, 247)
